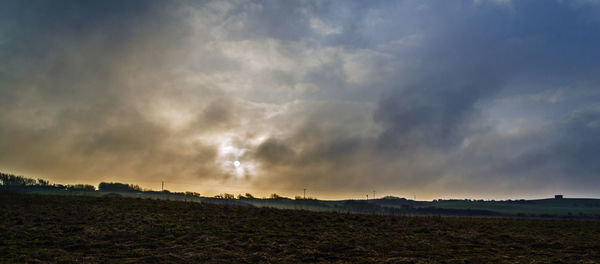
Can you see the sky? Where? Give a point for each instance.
(479, 99)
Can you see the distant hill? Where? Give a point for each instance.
(557, 208)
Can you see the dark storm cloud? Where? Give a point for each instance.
(434, 113)
(273, 152)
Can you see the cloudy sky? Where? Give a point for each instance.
(439, 99)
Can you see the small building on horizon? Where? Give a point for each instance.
(558, 196)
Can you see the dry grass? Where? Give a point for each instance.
(70, 229)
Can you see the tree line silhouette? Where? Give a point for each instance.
(118, 187)
(16, 182)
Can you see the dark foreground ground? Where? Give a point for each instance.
(71, 229)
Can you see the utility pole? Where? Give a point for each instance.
(415, 196)
(162, 187)
(373, 194)
(304, 193)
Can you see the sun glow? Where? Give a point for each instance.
(231, 154)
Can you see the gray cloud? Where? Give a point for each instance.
(468, 98)
(80, 80)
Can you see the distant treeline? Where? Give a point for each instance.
(273, 196)
(15, 181)
(19, 183)
(118, 187)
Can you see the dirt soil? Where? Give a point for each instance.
(75, 229)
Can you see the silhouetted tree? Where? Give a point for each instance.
(118, 187)
(192, 194)
(225, 196)
(81, 187)
(13, 180)
(42, 182)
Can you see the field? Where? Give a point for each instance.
(79, 229)
(549, 207)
